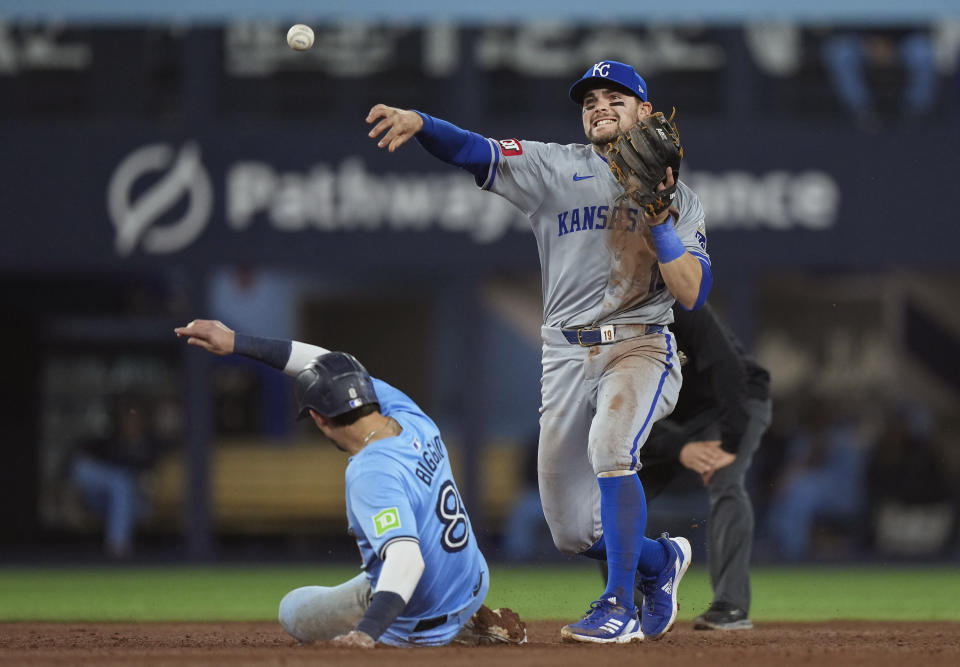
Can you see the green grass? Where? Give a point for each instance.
(536, 592)
(790, 594)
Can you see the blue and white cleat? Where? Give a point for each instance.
(660, 592)
(607, 622)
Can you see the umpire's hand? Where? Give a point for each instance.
(705, 457)
(212, 335)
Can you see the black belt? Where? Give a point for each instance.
(425, 624)
(430, 623)
(587, 337)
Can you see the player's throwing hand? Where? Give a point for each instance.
(400, 124)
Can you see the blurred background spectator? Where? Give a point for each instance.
(254, 399)
(822, 479)
(882, 74)
(912, 505)
(110, 473)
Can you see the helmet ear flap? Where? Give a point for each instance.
(306, 390)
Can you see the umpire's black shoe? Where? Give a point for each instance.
(723, 616)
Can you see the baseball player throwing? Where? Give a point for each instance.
(610, 276)
(424, 579)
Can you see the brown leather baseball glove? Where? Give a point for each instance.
(639, 159)
(493, 626)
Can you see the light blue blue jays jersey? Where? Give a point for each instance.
(402, 488)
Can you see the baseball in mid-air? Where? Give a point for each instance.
(300, 37)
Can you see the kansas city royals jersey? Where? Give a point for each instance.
(599, 264)
(402, 488)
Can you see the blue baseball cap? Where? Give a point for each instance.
(609, 73)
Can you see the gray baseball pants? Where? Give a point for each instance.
(598, 405)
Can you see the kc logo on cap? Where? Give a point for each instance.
(620, 74)
(602, 68)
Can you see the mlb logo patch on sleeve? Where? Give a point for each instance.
(386, 520)
(510, 147)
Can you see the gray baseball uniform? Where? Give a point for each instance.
(599, 269)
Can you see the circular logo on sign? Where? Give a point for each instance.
(181, 177)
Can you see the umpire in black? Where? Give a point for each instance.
(722, 412)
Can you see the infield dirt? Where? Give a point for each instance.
(874, 644)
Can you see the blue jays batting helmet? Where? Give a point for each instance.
(332, 384)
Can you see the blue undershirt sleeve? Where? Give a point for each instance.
(461, 148)
(706, 282)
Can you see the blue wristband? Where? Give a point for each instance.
(384, 608)
(669, 246)
(270, 351)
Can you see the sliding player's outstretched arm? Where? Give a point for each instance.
(289, 356)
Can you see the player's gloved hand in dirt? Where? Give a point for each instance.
(400, 125)
(212, 335)
(354, 639)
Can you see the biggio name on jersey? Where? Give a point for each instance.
(431, 454)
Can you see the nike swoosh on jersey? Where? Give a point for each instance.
(582, 178)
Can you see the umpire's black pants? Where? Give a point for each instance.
(731, 523)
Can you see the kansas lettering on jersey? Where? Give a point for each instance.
(599, 264)
(402, 488)
(599, 218)
(594, 217)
